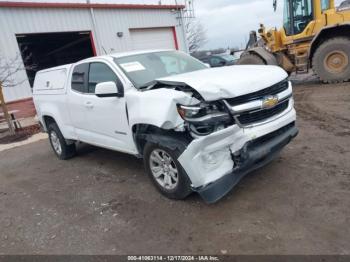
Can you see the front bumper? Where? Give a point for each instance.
(209, 160)
(254, 155)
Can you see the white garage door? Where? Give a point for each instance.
(152, 38)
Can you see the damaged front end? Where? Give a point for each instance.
(253, 155)
(227, 137)
(229, 143)
(205, 118)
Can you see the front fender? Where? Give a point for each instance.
(157, 107)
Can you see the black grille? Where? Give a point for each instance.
(272, 90)
(257, 116)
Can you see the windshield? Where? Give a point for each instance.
(143, 69)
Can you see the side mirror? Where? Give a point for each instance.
(107, 89)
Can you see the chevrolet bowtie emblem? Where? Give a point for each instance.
(270, 102)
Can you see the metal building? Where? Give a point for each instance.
(50, 34)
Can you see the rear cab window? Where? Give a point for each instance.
(80, 78)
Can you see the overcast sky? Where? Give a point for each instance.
(228, 22)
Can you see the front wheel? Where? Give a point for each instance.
(166, 172)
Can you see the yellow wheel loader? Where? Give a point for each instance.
(315, 35)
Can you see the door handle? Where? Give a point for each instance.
(89, 104)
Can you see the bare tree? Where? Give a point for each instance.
(195, 34)
(9, 67)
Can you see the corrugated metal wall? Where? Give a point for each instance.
(107, 21)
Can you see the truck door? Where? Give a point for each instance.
(77, 99)
(107, 116)
(100, 121)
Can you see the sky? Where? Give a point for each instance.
(227, 22)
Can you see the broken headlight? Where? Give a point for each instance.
(205, 118)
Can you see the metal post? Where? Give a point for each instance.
(94, 29)
(6, 113)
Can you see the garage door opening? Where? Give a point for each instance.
(47, 50)
(153, 38)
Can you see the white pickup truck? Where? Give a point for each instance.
(198, 129)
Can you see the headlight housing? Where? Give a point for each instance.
(205, 118)
(188, 112)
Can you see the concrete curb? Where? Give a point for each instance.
(32, 139)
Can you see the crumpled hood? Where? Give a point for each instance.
(230, 81)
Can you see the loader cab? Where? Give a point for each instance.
(297, 15)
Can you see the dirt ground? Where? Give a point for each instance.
(101, 202)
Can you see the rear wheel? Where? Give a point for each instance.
(58, 143)
(331, 61)
(251, 59)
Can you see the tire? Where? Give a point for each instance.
(251, 59)
(331, 61)
(62, 150)
(182, 187)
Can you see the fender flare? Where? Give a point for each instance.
(171, 142)
(43, 122)
(269, 58)
(327, 30)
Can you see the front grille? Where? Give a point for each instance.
(258, 116)
(266, 138)
(272, 90)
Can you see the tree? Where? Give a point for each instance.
(8, 70)
(195, 34)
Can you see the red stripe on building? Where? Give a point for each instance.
(93, 44)
(175, 38)
(86, 5)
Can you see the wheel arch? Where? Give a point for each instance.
(47, 120)
(143, 133)
(326, 33)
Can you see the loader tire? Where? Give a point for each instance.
(251, 59)
(331, 61)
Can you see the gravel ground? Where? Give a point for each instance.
(101, 202)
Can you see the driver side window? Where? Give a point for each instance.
(98, 73)
(325, 5)
(302, 14)
(297, 15)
